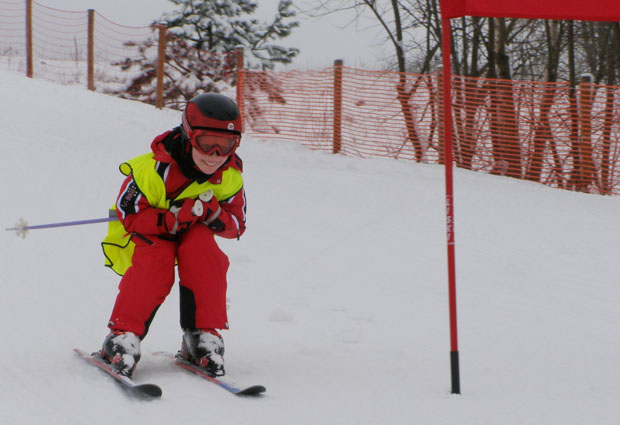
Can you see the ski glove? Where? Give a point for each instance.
(210, 207)
(190, 211)
(186, 214)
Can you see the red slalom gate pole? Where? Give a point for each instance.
(447, 108)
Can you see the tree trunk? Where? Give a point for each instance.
(542, 132)
(495, 158)
(576, 181)
(510, 149)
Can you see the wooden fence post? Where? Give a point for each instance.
(29, 67)
(91, 49)
(586, 99)
(337, 134)
(239, 64)
(161, 59)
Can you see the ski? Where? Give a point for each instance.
(140, 390)
(224, 383)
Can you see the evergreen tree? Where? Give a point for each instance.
(187, 71)
(223, 25)
(200, 44)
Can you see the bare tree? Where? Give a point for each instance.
(389, 16)
(505, 50)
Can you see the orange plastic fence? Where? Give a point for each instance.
(542, 132)
(59, 50)
(545, 132)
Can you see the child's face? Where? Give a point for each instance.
(208, 164)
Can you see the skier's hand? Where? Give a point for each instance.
(210, 207)
(186, 214)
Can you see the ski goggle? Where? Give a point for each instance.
(210, 142)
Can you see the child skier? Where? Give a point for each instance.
(170, 206)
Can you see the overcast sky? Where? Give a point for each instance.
(321, 40)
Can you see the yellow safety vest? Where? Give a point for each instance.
(118, 246)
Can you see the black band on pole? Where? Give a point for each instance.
(456, 380)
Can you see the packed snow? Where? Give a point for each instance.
(338, 289)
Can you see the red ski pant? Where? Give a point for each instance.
(202, 270)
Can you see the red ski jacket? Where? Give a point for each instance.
(139, 217)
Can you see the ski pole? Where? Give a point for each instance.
(22, 228)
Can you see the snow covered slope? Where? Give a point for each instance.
(338, 288)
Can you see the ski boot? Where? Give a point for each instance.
(204, 348)
(122, 349)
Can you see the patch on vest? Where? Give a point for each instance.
(127, 202)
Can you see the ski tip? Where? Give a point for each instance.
(142, 391)
(148, 390)
(254, 390)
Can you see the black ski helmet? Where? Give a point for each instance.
(211, 111)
